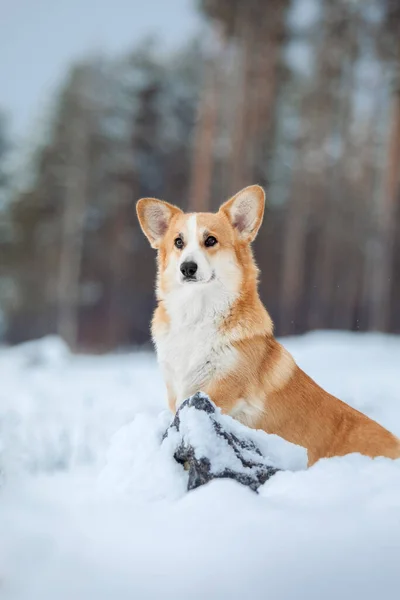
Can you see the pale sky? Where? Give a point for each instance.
(39, 38)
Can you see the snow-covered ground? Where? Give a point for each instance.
(88, 514)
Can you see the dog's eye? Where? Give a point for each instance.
(179, 243)
(210, 241)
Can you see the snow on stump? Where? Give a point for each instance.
(211, 445)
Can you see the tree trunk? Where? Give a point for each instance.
(309, 187)
(203, 156)
(72, 229)
(382, 284)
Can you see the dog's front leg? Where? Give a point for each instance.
(222, 395)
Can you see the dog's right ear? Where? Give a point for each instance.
(154, 218)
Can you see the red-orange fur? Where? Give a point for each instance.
(266, 389)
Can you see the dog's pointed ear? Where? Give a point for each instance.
(154, 218)
(245, 211)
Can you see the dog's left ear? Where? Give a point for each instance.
(245, 211)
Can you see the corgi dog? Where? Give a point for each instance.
(213, 334)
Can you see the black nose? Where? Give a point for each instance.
(188, 269)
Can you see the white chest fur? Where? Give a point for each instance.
(192, 351)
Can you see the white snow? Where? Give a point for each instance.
(196, 430)
(93, 506)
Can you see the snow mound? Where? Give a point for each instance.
(212, 445)
(50, 350)
(139, 466)
(144, 459)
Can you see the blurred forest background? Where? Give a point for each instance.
(300, 96)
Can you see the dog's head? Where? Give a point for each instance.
(201, 250)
